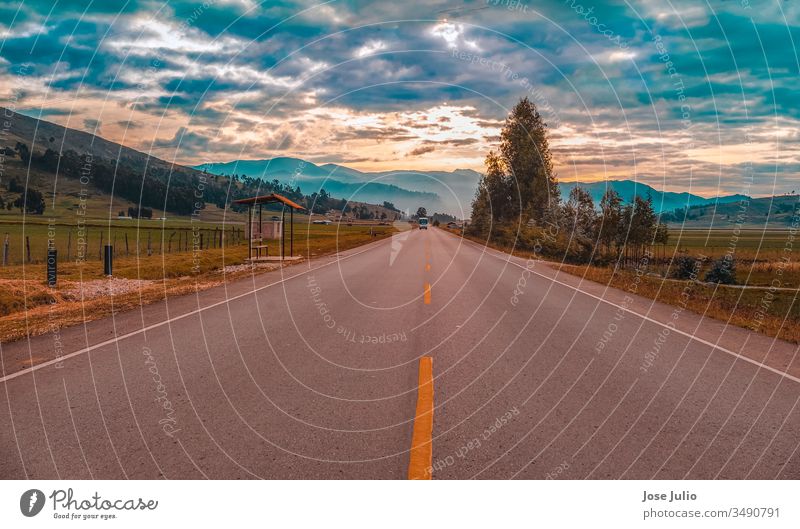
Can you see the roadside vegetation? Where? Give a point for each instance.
(173, 229)
(29, 307)
(747, 277)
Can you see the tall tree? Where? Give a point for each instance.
(610, 218)
(639, 223)
(579, 213)
(481, 219)
(525, 153)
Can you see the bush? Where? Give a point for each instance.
(32, 202)
(722, 271)
(683, 267)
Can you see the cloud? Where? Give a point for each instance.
(423, 149)
(386, 85)
(92, 125)
(185, 140)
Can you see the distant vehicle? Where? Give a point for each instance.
(423, 223)
(321, 221)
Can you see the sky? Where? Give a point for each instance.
(682, 95)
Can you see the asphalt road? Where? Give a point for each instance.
(313, 372)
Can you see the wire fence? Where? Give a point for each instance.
(86, 244)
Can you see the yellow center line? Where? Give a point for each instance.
(421, 460)
(427, 293)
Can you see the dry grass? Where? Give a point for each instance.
(773, 314)
(28, 307)
(759, 255)
(59, 312)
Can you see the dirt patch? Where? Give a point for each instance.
(113, 286)
(247, 267)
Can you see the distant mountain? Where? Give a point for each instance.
(773, 212)
(337, 180)
(451, 192)
(665, 201)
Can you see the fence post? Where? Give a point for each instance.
(28, 248)
(127, 249)
(149, 248)
(5, 251)
(108, 260)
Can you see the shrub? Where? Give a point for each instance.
(722, 271)
(683, 267)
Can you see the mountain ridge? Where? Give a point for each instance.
(337, 180)
(459, 184)
(663, 201)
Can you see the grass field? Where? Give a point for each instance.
(768, 259)
(29, 307)
(28, 242)
(130, 237)
(764, 259)
(746, 244)
(774, 313)
(762, 256)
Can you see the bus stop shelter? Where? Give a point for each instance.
(257, 243)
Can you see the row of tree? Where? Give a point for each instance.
(518, 203)
(614, 229)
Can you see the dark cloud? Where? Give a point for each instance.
(423, 149)
(129, 124)
(92, 125)
(377, 134)
(454, 143)
(185, 141)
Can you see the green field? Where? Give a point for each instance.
(84, 242)
(746, 244)
(766, 260)
(130, 237)
(171, 243)
(29, 307)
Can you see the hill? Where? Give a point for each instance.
(75, 168)
(775, 212)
